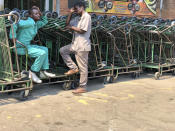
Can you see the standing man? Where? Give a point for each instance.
(80, 46)
(23, 33)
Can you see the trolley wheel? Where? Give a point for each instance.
(23, 95)
(101, 4)
(138, 74)
(68, 85)
(8, 88)
(157, 75)
(108, 79)
(173, 72)
(135, 75)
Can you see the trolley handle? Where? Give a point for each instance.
(21, 44)
(167, 28)
(153, 31)
(9, 16)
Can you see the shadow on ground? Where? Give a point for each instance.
(55, 89)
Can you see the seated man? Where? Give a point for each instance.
(24, 32)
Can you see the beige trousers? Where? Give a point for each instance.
(82, 61)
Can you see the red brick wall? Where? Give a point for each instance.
(168, 9)
(63, 7)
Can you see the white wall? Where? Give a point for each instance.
(1, 5)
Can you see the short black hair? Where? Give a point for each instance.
(80, 4)
(31, 10)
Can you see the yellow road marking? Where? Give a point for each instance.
(83, 102)
(95, 99)
(100, 94)
(38, 116)
(124, 98)
(68, 108)
(131, 95)
(166, 88)
(106, 95)
(9, 117)
(134, 83)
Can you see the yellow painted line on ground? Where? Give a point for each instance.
(82, 102)
(101, 94)
(104, 95)
(91, 97)
(109, 96)
(134, 83)
(124, 98)
(126, 90)
(166, 88)
(120, 85)
(9, 117)
(68, 108)
(32, 103)
(95, 99)
(131, 95)
(38, 116)
(114, 97)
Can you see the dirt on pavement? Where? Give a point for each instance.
(142, 104)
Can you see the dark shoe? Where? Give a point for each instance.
(71, 72)
(79, 90)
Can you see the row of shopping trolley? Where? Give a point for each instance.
(120, 45)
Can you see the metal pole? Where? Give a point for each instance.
(22, 7)
(28, 4)
(17, 4)
(46, 5)
(50, 5)
(161, 6)
(1, 5)
(58, 6)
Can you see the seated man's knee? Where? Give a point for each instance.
(61, 50)
(43, 53)
(45, 49)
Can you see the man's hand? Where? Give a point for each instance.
(73, 28)
(69, 27)
(72, 10)
(38, 42)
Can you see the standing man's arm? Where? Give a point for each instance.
(84, 23)
(70, 26)
(69, 16)
(78, 30)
